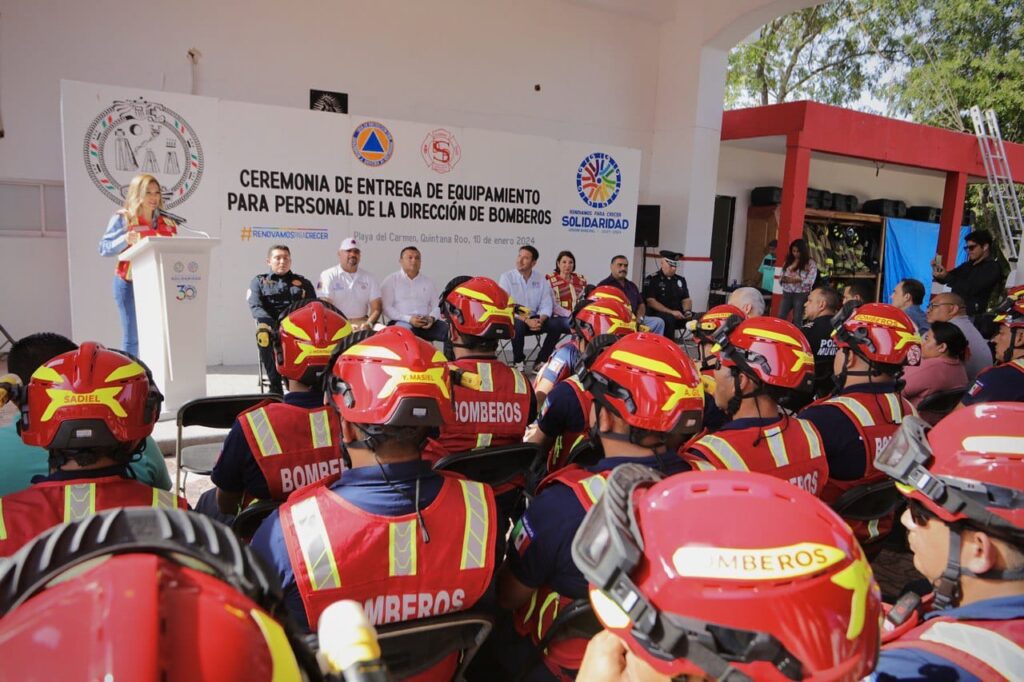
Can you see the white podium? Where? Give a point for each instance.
(172, 280)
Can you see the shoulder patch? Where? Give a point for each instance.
(522, 535)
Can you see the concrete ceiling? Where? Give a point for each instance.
(656, 11)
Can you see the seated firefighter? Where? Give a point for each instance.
(276, 448)
(403, 541)
(91, 409)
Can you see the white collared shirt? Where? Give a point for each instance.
(534, 293)
(403, 297)
(351, 292)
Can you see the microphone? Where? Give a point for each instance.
(178, 219)
(10, 388)
(349, 644)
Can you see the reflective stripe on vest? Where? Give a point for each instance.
(813, 440)
(996, 651)
(266, 439)
(402, 548)
(777, 446)
(474, 543)
(483, 440)
(520, 381)
(873, 529)
(320, 429)
(550, 601)
(79, 501)
(702, 465)
(315, 545)
(594, 487)
(859, 412)
(3, 526)
(724, 452)
(895, 409)
(164, 499)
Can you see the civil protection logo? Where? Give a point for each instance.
(598, 180)
(372, 143)
(138, 136)
(440, 150)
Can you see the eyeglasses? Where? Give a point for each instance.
(920, 514)
(933, 306)
(971, 247)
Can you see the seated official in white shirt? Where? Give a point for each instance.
(352, 291)
(530, 289)
(410, 298)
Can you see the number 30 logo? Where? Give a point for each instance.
(186, 292)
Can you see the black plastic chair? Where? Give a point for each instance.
(577, 620)
(934, 407)
(217, 412)
(493, 465)
(250, 518)
(868, 502)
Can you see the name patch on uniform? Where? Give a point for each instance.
(772, 563)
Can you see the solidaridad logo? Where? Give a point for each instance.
(598, 180)
(372, 143)
(136, 136)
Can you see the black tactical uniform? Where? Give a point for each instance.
(670, 291)
(269, 296)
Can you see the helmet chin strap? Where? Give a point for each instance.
(947, 586)
(1008, 353)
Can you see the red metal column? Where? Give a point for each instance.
(952, 217)
(794, 201)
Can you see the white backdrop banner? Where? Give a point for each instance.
(256, 176)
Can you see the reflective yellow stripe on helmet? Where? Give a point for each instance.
(724, 452)
(813, 440)
(474, 543)
(402, 548)
(283, 666)
(315, 545)
(320, 429)
(79, 501)
(266, 439)
(3, 526)
(860, 413)
(777, 446)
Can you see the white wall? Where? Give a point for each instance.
(741, 169)
(35, 277)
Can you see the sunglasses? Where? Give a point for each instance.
(971, 247)
(920, 514)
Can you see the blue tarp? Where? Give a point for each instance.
(910, 246)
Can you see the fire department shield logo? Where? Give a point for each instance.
(440, 150)
(138, 136)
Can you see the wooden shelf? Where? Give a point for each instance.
(822, 214)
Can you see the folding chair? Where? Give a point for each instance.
(250, 518)
(937, 405)
(493, 465)
(870, 502)
(218, 412)
(415, 646)
(577, 620)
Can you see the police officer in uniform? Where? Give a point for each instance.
(276, 448)
(91, 409)
(269, 295)
(965, 523)
(1004, 380)
(390, 533)
(873, 341)
(667, 296)
(649, 398)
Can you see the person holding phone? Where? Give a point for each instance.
(134, 221)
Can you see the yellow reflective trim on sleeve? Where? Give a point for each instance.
(474, 542)
(320, 429)
(549, 601)
(3, 526)
(293, 329)
(645, 363)
(486, 376)
(131, 369)
(1003, 655)
(315, 545)
(813, 439)
(163, 499)
(724, 452)
(531, 607)
(266, 439)
(79, 501)
(402, 548)
(483, 440)
(44, 373)
(283, 666)
(860, 413)
(777, 446)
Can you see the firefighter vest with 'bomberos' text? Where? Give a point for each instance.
(790, 450)
(988, 649)
(496, 413)
(338, 551)
(27, 513)
(293, 446)
(535, 618)
(876, 417)
(558, 456)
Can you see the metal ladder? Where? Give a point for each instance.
(1001, 187)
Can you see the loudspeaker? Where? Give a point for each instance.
(893, 208)
(765, 196)
(926, 214)
(648, 225)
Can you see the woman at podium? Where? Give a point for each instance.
(130, 224)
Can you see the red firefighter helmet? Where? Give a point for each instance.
(392, 378)
(305, 340)
(478, 307)
(604, 316)
(785, 594)
(1010, 310)
(606, 291)
(772, 350)
(879, 332)
(647, 381)
(969, 466)
(212, 618)
(89, 397)
(710, 321)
